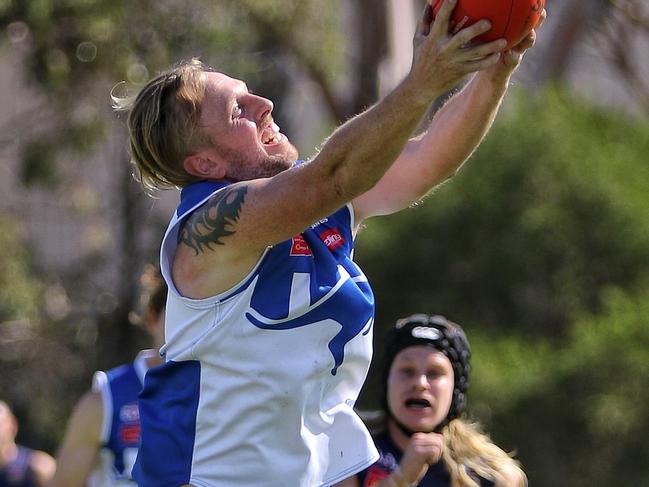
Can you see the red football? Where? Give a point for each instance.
(511, 19)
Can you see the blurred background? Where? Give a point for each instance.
(539, 247)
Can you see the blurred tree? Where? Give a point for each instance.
(75, 51)
(20, 294)
(570, 22)
(552, 209)
(28, 359)
(621, 38)
(608, 38)
(574, 410)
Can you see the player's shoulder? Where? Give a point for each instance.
(120, 371)
(43, 464)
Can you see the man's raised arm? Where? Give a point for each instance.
(452, 136)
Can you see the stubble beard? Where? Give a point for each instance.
(242, 168)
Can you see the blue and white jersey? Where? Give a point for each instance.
(120, 434)
(260, 381)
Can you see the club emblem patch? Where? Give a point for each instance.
(299, 246)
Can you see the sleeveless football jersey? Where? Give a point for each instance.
(18, 473)
(119, 388)
(390, 456)
(260, 381)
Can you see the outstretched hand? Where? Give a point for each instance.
(442, 58)
(424, 449)
(511, 58)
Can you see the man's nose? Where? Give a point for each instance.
(263, 108)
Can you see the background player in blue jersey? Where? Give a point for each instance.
(20, 466)
(425, 440)
(101, 440)
(269, 320)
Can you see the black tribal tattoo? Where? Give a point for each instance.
(207, 225)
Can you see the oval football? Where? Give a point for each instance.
(511, 19)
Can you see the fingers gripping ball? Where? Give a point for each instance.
(510, 19)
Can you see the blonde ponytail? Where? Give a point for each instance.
(468, 449)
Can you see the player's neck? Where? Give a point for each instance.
(397, 435)
(8, 452)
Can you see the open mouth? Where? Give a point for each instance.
(417, 403)
(271, 135)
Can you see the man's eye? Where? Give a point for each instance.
(236, 111)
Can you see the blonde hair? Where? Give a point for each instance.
(467, 449)
(163, 125)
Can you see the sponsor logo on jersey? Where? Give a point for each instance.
(375, 475)
(324, 220)
(300, 246)
(130, 433)
(129, 413)
(332, 238)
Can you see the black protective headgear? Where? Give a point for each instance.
(441, 334)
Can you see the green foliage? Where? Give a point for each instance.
(574, 411)
(73, 53)
(315, 28)
(609, 362)
(37, 165)
(539, 249)
(551, 209)
(19, 292)
(76, 50)
(21, 306)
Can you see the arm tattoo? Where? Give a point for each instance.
(215, 220)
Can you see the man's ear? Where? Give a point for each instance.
(204, 166)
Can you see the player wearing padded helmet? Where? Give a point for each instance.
(440, 334)
(427, 441)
